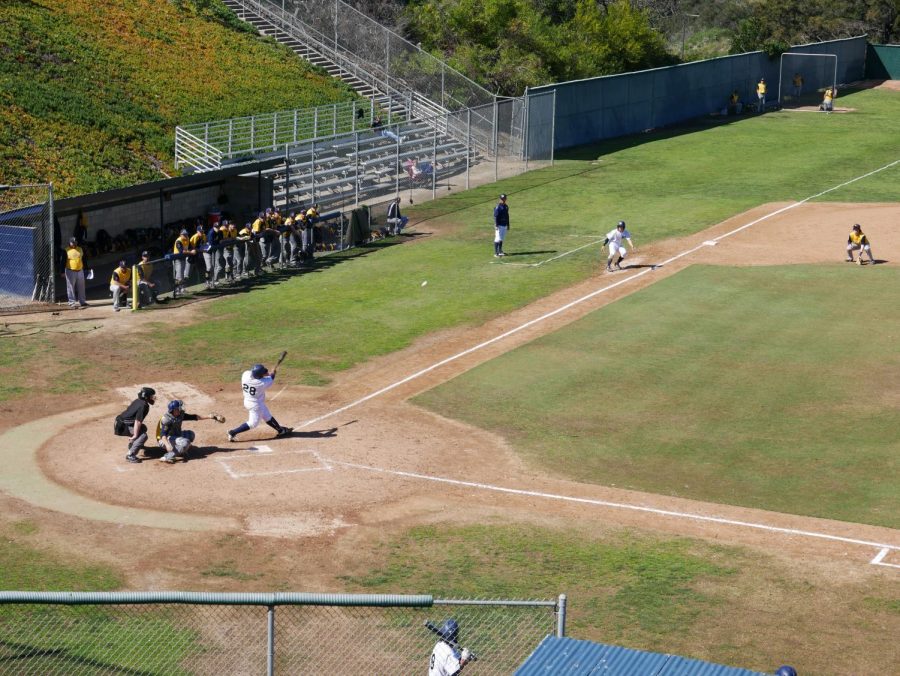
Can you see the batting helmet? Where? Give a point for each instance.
(258, 370)
(786, 670)
(175, 403)
(620, 224)
(147, 393)
(449, 630)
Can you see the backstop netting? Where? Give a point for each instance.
(804, 77)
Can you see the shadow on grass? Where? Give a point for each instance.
(24, 653)
(530, 253)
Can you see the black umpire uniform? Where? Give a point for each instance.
(130, 422)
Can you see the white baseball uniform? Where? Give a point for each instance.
(617, 241)
(255, 398)
(444, 660)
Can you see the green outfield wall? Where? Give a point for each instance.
(605, 107)
(883, 62)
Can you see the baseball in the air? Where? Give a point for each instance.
(425, 282)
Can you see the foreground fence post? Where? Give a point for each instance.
(561, 617)
(270, 648)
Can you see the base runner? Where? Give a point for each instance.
(254, 384)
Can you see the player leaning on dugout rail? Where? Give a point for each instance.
(269, 241)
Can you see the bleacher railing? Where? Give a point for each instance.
(261, 633)
(403, 73)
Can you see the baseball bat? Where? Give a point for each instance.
(281, 359)
(453, 644)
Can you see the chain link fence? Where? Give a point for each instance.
(28, 249)
(194, 633)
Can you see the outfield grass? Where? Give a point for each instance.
(664, 184)
(677, 595)
(761, 387)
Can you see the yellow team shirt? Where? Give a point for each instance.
(829, 96)
(257, 225)
(184, 242)
(120, 276)
(245, 232)
(197, 239)
(857, 237)
(232, 231)
(798, 80)
(74, 258)
(761, 88)
(146, 270)
(312, 213)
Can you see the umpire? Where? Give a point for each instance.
(130, 422)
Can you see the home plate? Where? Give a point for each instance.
(270, 463)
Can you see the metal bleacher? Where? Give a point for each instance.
(332, 156)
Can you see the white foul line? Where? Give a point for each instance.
(637, 508)
(578, 301)
(879, 558)
(548, 260)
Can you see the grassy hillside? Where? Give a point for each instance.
(91, 90)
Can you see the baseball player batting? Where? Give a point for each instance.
(254, 384)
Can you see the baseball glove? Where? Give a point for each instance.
(217, 417)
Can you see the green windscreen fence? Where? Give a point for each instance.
(883, 62)
(617, 105)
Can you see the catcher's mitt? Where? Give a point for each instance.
(217, 417)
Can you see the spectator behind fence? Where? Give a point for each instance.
(378, 126)
(74, 272)
(734, 103)
(395, 219)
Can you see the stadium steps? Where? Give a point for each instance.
(305, 51)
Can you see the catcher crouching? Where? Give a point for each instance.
(176, 441)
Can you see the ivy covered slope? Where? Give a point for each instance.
(91, 90)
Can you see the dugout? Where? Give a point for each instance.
(122, 222)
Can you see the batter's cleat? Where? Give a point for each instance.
(608, 269)
(168, 458)
(232, 438)
(284, 432)
(132, 458)
(618, 267)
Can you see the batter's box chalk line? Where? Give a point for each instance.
(320, 464)
(879, 559)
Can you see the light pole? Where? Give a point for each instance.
(683, 27)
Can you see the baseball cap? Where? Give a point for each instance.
(72, 240)
(184, 232)
(503, 196)
(145, 254)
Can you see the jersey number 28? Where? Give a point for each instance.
(249, 389)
